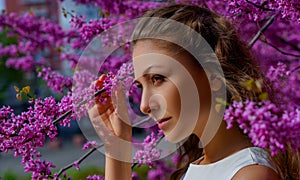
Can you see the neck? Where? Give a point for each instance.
(224, 143)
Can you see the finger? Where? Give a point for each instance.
(102, 108)
(100, 83)
(100, 80)
(120, 96)
(120, 128)
(122, 110)
(101, 122)
(110, 109)
(93, 112)
(107, 123)
(117, 122)
(106, 117)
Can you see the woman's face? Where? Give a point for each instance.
(172, 86)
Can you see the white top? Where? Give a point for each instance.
(226, 168)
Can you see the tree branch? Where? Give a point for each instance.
(290, 44)
(295, 69)
(57, 120)
(79, 160)
(260, 6)
(82, 158)
(134, 164)
(279, 50)
(263, 29)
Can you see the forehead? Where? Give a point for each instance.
(148, 57)
(143, 47)
(155, 53)
(153, 62)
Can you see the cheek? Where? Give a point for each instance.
(174, 101)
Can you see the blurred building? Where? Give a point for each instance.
(46, 8)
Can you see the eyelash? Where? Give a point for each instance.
(157, 79)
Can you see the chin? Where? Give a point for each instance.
(176, 138)
(180, 132)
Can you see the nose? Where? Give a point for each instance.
(148, 103)
(145, 104)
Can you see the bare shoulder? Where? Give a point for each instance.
(256, 172)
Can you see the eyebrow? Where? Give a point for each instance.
(146, 72)
(137, 82)
(151, 67)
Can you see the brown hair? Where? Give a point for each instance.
(237, 64)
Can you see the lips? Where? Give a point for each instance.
(163, 122)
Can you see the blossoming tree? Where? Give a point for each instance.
(270, 27)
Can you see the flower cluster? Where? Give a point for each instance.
(161, 171)
(90, 144)
(256, 9)
(95, 177)
(55, 80)
(33, 34)
(265, 124)
(83, 89)
(123, 76)
(26, 62)
(149, 153)
(131, 8)
(24, 133)
(89, 29)
(66, 104)
(285, 80)
(40, 168)
(111, 16)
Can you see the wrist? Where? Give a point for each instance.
(120, 150)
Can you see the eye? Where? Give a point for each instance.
(157, 79)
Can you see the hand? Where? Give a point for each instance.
(112, 124)
(110, 118)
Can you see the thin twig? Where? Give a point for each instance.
(57, 120)
(279, 50)
(79, 160)
(263, 29)
(294, 46)
(134, 164)
(82, 158)
(259, 6)
(295, 69)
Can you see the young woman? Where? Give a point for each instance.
(229, 154)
